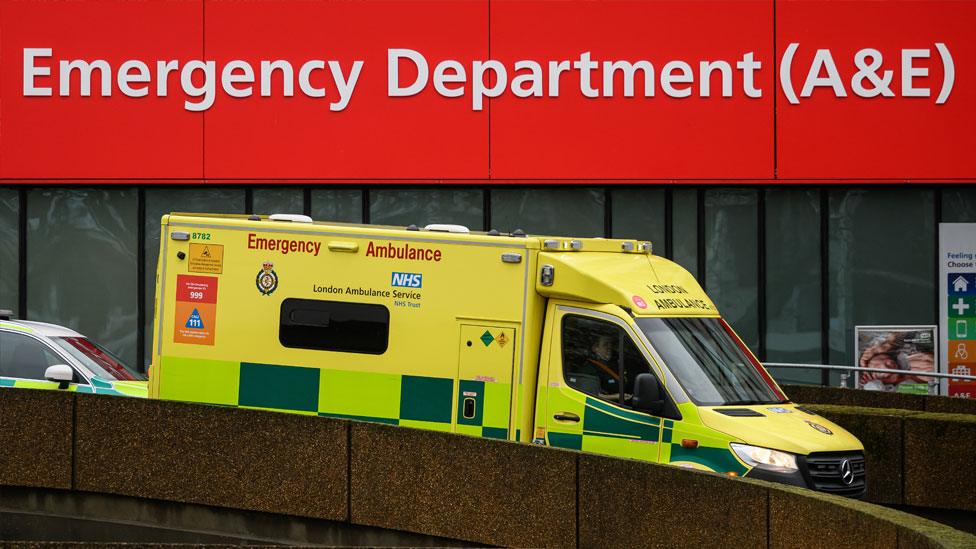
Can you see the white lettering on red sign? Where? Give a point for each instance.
(483, 79)
(870, 79)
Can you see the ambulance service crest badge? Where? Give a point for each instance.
(267, 279)
(819, 427)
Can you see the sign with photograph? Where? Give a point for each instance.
(957, 306)
(908, 351)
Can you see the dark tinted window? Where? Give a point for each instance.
(881, 246)
(732, 257)
(24, 357)
(94, 232)
(599, 359)
(334, 326)
(793, 293)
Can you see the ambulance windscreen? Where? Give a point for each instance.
(710, 362)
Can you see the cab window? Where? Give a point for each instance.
(24, 357)
(600, 359)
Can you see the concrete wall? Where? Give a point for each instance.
(36, 438)
(809, 394)
(920, 449)
(50, 515)
(483, 491)
(914, 458)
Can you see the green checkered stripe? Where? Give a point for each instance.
(605, 421)
(491, 407)
(407, 400)
(716, 458)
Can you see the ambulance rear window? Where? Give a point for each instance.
(334, 326)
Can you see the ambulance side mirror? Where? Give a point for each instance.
(62, 373)
(647, 395)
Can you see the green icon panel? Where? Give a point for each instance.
(962, 328)
(962, 306)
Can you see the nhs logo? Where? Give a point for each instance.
(407, 280)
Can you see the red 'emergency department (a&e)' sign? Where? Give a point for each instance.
(478, 90)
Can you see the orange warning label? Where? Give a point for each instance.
(502, 339)
(206, 258)
(195, 323)
(196, 310)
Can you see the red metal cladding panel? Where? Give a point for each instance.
(98, 137)
(659, 137)
(826, 136)
(373, 136)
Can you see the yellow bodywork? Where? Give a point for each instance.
(473, 343)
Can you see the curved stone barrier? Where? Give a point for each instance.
(914, 458)
(481, 490)
(920, 448)
(809, 394)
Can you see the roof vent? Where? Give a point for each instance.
(518, 233)
(254, 217)
(6, 314)
(412, 227)
(447, 228)
(493, 232)
(294, 218)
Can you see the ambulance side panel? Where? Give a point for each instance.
(155, 348)
(222, 338)
(526, 375)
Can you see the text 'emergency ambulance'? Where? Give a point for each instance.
(405, 251)
(283, 245)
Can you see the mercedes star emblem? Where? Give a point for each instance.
(846, 472)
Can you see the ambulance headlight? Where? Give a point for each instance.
(764, 458)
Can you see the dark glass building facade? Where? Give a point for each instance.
(793, 268)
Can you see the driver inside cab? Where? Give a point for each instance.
(601, 361)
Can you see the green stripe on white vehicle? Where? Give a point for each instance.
(18, 327)
(131, 389)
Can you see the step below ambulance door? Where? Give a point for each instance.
(593, 365)
(484, 396)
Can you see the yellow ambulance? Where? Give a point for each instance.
(590, 344)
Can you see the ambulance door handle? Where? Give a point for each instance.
(566, 416)
(469, 408)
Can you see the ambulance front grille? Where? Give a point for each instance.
(825, 472)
